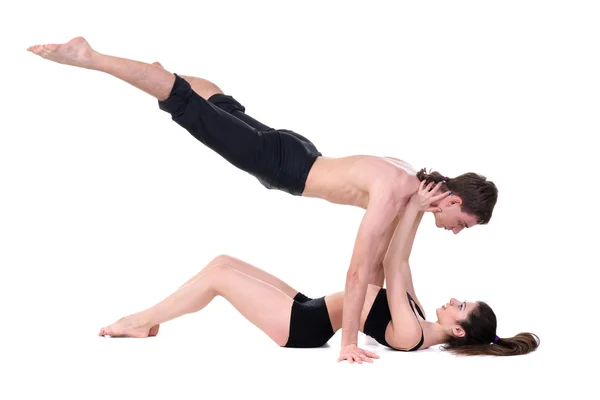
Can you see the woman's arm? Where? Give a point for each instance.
(404, 236)
(405, 329)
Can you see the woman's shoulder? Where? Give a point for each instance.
(405, 331)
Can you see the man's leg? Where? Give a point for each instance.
(211, 92)
(301, 148)
(222, 126)
(77, 52)
(234, 140)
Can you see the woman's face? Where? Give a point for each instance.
(452, 313)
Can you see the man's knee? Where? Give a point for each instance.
(204, 88)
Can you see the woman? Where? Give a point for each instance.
(392, 316)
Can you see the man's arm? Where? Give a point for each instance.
(383, 207)
(377, 277)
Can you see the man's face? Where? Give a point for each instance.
(451, 217)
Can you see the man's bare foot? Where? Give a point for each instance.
(129, 327)
(76, 52)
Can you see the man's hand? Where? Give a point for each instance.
(425, 196)
(352, 353)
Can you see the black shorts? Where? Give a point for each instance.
(278, 158)
(310, 325)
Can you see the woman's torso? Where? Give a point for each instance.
(335, 304)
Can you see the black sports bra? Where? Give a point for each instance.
(380, 316)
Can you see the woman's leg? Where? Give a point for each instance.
(263, 305)
(254, 272)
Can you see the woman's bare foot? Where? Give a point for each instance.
(154, 330)
(76, 52)
(130, 326)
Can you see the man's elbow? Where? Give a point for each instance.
(352, 277)
(357, 275)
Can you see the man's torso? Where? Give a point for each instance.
(350, 180)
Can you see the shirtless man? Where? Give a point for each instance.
(286, 161)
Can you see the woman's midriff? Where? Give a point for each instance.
(335, 307)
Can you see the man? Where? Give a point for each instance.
(287, 161)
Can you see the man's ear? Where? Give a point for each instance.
(454, 200)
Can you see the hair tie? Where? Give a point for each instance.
(496, 339)
(446, 178)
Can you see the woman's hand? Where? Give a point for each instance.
(426, 195)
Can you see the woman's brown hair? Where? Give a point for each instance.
(480, 337)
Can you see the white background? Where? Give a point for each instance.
(107, 206)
